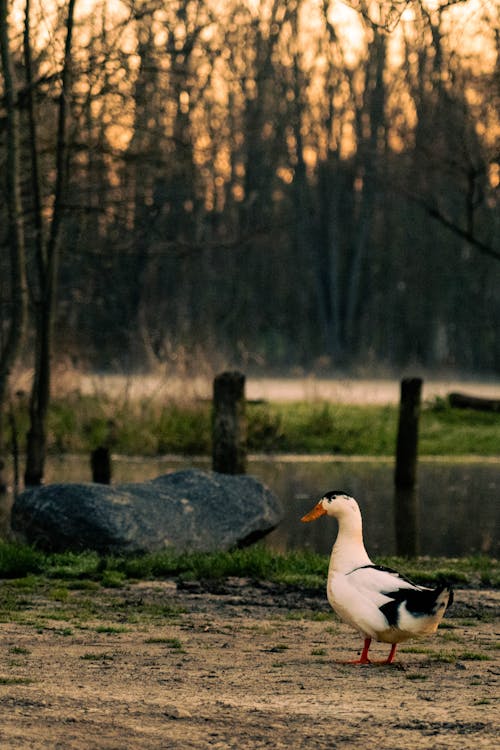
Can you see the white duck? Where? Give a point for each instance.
(377, 601)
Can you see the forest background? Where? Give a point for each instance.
(269, 182)
(307, 184)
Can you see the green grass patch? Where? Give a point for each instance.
(65, 632)
(59, 594)
(453, 656)
(474, 570)
(113, 579)
(111, 629)
(73, 565)
(78, 423)
(28, 583)
(27, 568)
(17, 560)
(447, 431)
(174, 644)
(97, 657)
(82, 585)
(473, 656)
(256, 562)
(323, 427)
(417, 650)
(52, 604)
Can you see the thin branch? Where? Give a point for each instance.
(466, 235)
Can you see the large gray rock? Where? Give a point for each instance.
(186, 510)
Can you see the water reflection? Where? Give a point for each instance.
(456, 504)
(455, 511)
(406, 521)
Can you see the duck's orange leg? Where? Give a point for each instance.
(391, 654)
(390, 657)
(363, 659)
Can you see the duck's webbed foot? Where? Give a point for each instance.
(390, 657)
(363, 659)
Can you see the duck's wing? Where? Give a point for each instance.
(395, 593)
(379, 579)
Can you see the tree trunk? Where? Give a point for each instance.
(464, 401)
(374, 109)
(329, 250)
(15, 230)
(45, 306)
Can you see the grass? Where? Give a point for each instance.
(454, 656)
(446, 656)
(46, 602)
(66, 573)
(78, 423)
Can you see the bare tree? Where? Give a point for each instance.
(11, 338)
(226, 188)
(47, 266)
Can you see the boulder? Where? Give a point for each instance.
(188, 510)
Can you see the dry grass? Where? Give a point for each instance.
(182, 388)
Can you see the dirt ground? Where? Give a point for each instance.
(294, 388)
(240, 666)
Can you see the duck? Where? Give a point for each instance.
(379, 602)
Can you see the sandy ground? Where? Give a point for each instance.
(241, 667)
(339, 390)
(359, 391)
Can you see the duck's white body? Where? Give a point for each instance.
(377, 601)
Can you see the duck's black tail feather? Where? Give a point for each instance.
(445, 588)
(420, 602)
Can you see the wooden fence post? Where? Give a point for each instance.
(407, 442)
(100, 462)
(229, 424)
(405, 476)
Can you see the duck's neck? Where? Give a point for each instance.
(349, 550)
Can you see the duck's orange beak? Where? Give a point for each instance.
(315, 513)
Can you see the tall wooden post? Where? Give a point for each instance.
(229, 424)
(407, 441)
(405, 476)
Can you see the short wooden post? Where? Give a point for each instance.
(407, 440)
(100, 462)
(229, 424)
(405, 476)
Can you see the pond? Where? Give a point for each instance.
(457, 502)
